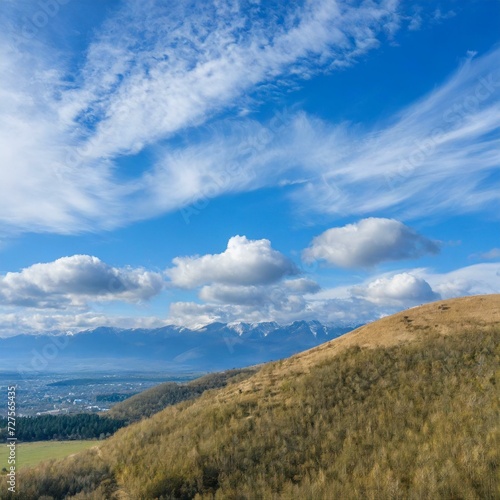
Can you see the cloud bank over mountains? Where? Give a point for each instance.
(249, 281)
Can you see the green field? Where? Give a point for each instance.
(29, 454)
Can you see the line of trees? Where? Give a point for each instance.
(62, 427)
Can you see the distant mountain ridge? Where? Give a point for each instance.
(217, 346)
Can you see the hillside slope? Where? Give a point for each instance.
(407, 407)
(157, 398)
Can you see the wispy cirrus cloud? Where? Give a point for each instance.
(153, 73)
(149, 73)
(192, 62)
(492, 254)
(39, 189)
(438, 155)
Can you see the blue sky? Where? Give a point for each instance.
(194, 162)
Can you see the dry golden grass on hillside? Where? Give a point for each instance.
(443, 317)
(151, 401)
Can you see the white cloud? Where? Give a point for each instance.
(284, 301)
(367, 243)
(38, 191)
(274, 295)
(73, 281)
(415, 22)
(339, 312)
(477, 279)
(244, 283)
(244, 262)
(404, 290)
(439, 15)
(302, 285)
(194, 61)
(194, 314)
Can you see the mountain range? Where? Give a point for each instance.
(217, 346)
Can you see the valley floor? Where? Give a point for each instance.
(31, 454)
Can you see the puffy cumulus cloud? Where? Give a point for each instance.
(244, 262)
(367, 243)
(399, 290)
(72, 281)
(194, 315)
(245, 282)
(344, 305)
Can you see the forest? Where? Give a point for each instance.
(62, 427)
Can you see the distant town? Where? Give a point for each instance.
(59, 394)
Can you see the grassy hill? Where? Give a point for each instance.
(157, 398)
(405, 408)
